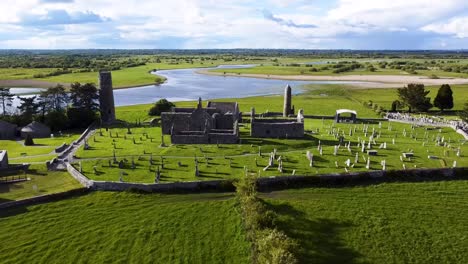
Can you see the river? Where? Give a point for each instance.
(187, 84)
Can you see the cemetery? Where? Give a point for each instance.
(139, 154)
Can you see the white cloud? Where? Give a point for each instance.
(456, 26)
(232, 23)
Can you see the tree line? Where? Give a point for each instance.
(414, 96)
(54, 107)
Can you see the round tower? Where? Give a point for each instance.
(106, 97)
(287, 110)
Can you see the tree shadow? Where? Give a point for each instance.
(319, 238)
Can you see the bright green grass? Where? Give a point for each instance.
(41, 182)
(316, 99)
(21, 73)
(292, 151)
(386, 223)
(106, 227)
(43, 146)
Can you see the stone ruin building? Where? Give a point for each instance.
(106, 97)
(279, 128)
(215, 124)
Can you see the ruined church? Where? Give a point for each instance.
(217, 123)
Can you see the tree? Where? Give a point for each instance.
(84, 105)
(28, 108)
(464, 113)
(84, 96)
(54, 98)
(396, 105)
(444, 98)
(6, 99)
(414, 96)
(56, 120)
(160, 106)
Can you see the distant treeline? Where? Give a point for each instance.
(66, 61)
(251, 52)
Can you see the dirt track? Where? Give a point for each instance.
(367, 81)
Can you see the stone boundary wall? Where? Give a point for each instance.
(43, 198)
(264, 184)
(278, 182)
(83, 180)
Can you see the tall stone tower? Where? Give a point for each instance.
(106, 97)
(287, 109)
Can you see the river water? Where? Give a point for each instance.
(187, 84)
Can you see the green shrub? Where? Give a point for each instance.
(160, 106)
(275, 247)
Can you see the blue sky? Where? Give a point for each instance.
(193, 24)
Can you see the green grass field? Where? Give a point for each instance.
(387, 223)
(230, 161)
(42, 146)
(41, 182)
(106, 227)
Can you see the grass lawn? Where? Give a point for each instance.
(386, 223)
(230, 161)
(107, 227)
(41, 182)
(42, 146)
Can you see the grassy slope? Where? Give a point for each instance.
(43, 146)
(45, 182)
(387, 223)
(106, 227)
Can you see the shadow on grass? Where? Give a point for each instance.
(319, 238)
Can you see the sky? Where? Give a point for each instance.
(220, 24)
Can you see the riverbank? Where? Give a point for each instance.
(364, 81)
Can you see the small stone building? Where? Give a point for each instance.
(215, 124)
(36, 130)
(341, 116)
(7, 130)
(276, 128)
(279, 128)
(3, 159)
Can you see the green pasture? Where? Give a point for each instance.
(40, 182)
(142, 154)
(107, 227)
(386, 223)
(42, 146)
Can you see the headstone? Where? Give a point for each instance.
(408, 154)
(121, 164)
(372, 152)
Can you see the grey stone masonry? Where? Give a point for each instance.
(106, 97)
